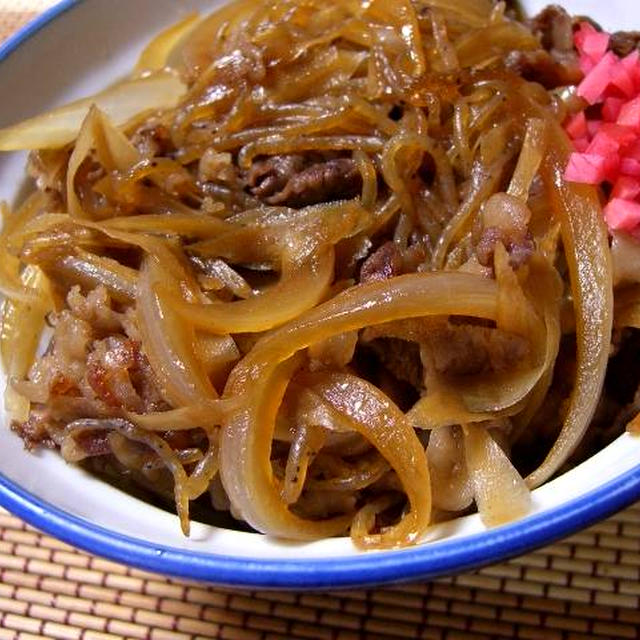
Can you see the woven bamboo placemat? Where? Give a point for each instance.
(585, 587)
(15, 13)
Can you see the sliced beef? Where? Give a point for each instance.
(540, 66)
(93, 367)
(35, 431)
(324, 182)
(298, 181)
(459, 350)
(519, 250)
(153, 139)
(554, 26)
(456, 349)
(108, 372)
(95, 309)
(556, 64)
(401, 358)
(623, 43)
(270, 176)
(61, 370)
(120, 376)
(384, 263)
(93, 443)
(48, 169)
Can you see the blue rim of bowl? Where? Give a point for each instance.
(422, 562)
(35, 25)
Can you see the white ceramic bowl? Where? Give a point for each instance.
(79, 47)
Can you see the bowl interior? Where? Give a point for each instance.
(91, 44)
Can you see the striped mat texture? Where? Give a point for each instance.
(16, 13)
(583, 588)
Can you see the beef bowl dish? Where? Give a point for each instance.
(310, 293)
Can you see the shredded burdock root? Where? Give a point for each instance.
(317, 264)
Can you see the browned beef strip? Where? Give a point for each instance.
(401, 358)
(108, 372)
(34, 431)
(554, 26)
(385, 262)
(268, 177)
(623, 43)
(519, 250)
(540, 66)
(556, 64)
(298, 181)
(93, 367)
(462, 350)
(324, 182)
(94, 443)
(153, 139)
(456, 349)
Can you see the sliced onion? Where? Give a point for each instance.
(174, 223)
(382, 423)
(444, 407)
(11, 283)
(225, 277)
(169, 343)
(500, 492)
(120, 103)
(156, 54)
(533, 149)
(216, 352)
(450, 482)
(184, 418)
(112, 147)
(263, 375)
(20, 333)
(475, 13)
(283, 236)
(200, 49)
(369, 179)
(306, 443)
(92, 270)
(246, 469)
(480, 46)
(154, 246)
(545, 286)
(286, 300)
(206, 468)
(586, 247)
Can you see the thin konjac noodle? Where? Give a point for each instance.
(317, 263)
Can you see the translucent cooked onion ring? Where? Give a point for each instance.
(262, 377)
